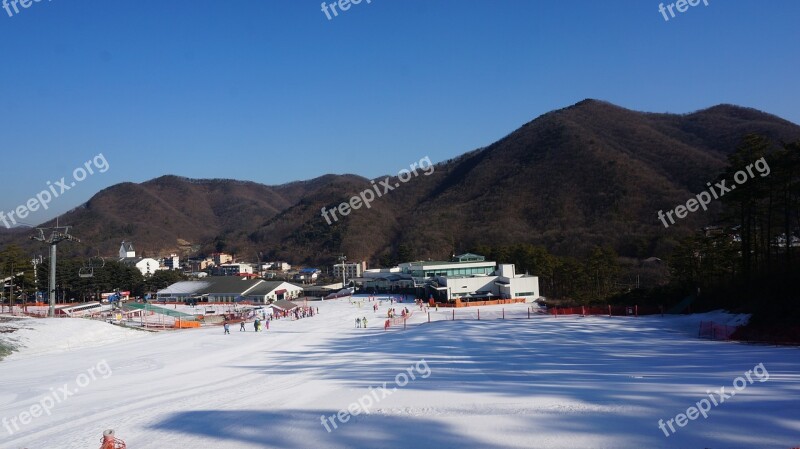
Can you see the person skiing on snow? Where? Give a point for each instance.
(358, 322)
(364, 322)
(227, 328)
(241, 327)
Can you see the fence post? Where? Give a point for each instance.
(529, 313)
(454, 314)
(504, 313)
(479, 314)
(661, 307)
(609, 310)
(404, 323)
(429, 317)
(635, 310)
(583, 310)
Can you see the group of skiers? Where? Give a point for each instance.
(361, 322)
(393, 313)
(263, 321)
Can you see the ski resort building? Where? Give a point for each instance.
(464, 265)
(504, 283)
(229, 289)
(466, 278)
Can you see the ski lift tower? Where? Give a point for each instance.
(57, 235)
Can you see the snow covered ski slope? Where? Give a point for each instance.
(319, 382)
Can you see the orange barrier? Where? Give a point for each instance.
(398, 320)
(186, 324)
(459, 303)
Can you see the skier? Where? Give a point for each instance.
(227, 328)
(358, 322)
(241, 326)
(364, 322)
(255, 324)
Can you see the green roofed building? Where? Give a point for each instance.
(463, 265)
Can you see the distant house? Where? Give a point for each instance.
(146, 265)
(221, 258)
(126, 250)
(307, 275)
(173, 262)
(233, 269)
(351, 270)
(277, 266)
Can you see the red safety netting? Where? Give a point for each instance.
(607, 310)
(716, 331)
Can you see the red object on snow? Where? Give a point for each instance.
(111, 442)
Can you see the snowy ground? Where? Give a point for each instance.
(543, 382)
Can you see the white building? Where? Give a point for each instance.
(277, 266)
(126, 250)
(464, 265)
(504, 283)
(351, 270)
(233, 269)
(173, 262)
(146, 265)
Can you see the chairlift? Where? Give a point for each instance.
(87, 271)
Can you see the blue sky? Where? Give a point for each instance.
(272, 91)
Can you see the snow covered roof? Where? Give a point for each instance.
(213, 285)
(184, 288)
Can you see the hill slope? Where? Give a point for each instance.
(593, 173)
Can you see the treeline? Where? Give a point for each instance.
(748, 260)
(594, 278)
(751, 258)
(77, 279)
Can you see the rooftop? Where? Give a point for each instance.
(427, 263)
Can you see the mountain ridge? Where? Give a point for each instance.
(592, 173)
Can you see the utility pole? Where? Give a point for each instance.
(57, 235)
(342, 259)
(11, 293)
